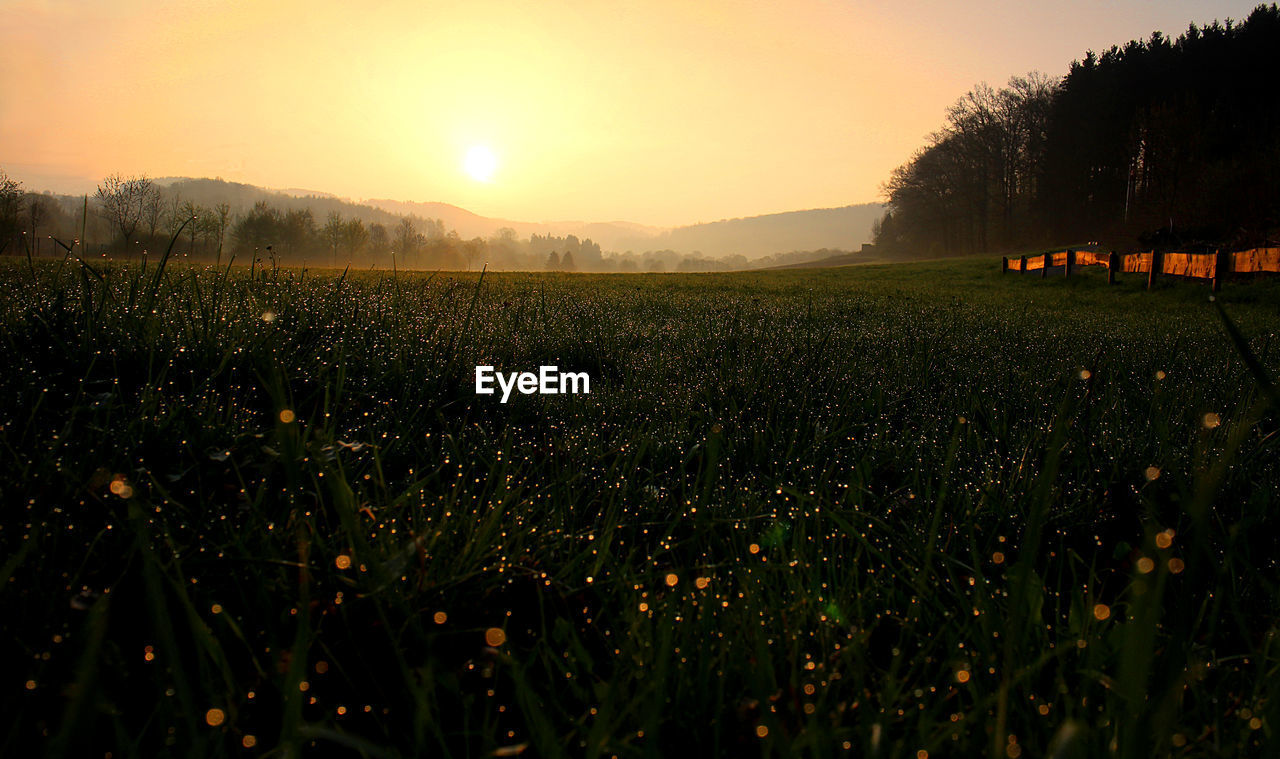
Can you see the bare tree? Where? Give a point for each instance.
(153, 211)
(37, 212)
(379, 241)
(406, 242)
(10, 205)
(208, 224)
(173, 217)
(333, 232)
(191, 212)
(223, 212)
(354, 237)
(471, 249)
(123, 201)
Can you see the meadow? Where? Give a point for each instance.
(900, 511)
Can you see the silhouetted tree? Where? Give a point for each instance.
(10, 209)
(173, 215)
(297, 231)
(1153, 142)
(191, 217)
(406, 242)
(207, 223)
(354, 236)
(553, 261)
(471, 249)
(153, 210)
(257, 228)
(379, 241)
(334, 232)
(1178, 137)
(223, 213)
(36, 212)
(123, 202)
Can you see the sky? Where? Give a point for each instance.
(663, 113)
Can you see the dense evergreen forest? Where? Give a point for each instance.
(1156, 144)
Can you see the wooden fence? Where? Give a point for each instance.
(1211, 266)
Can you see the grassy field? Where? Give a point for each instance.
(881, 511)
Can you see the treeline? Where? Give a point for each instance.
(1154, 144)
(128, 217)
(294, 236)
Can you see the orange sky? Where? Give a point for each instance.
(661, 113)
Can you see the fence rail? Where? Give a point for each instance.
(1211, 266)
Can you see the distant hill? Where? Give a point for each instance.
(468, 224)
(845, 228)
(242, 197)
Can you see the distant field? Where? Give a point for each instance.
(892, 511)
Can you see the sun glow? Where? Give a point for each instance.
(480, 163)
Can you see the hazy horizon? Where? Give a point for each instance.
(661, 115)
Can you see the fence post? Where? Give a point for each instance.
(1113, 263)
(1004, 264)
(1071, 259)
(1157, 263)
(1044, 270)
(1219, 268)
(1022, 264)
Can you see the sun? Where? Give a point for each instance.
(480, 163)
